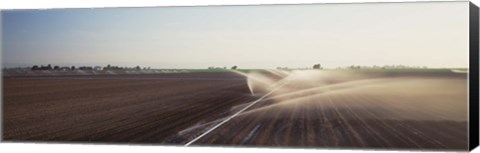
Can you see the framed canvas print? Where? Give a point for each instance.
(387, 76)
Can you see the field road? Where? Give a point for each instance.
(421, 110)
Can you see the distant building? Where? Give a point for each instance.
(65, 68)
(97, 68)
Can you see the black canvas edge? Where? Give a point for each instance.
(473, 77)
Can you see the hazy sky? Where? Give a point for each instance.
(423, 34)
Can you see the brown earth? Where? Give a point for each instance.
(401, 111)
(147, 111)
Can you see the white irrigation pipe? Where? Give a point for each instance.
(234, 115)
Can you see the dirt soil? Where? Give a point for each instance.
(128, 110)
(401, 111)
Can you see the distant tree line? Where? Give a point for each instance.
(319, 67)
(49, 67)
(72, 68)
(213, 67)
(383, 67)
